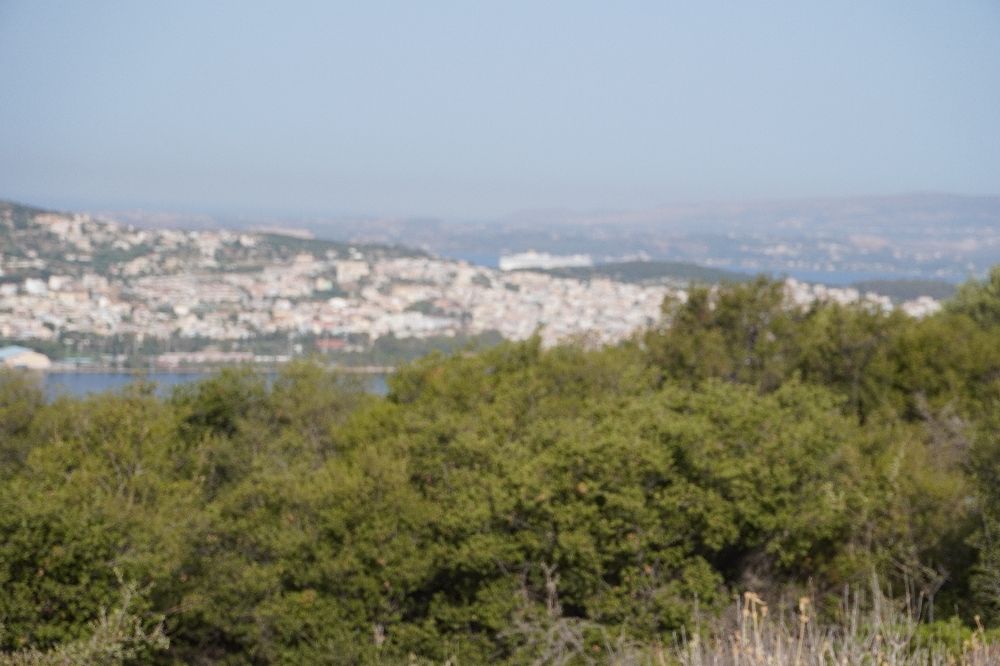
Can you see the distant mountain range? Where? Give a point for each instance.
(840, 241)
(834, 240)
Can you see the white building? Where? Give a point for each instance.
(544, 260)
(349, 272)
(22, 357)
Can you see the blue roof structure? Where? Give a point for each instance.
(12, 350)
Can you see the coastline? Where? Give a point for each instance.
(68, 368)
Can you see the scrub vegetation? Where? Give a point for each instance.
(834, 470)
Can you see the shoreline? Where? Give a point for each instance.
(203, 370)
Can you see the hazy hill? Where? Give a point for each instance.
(834, 240)
(917, 236)
(650, 272)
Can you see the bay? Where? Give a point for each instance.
(78, 384)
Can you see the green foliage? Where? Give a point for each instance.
(219, 405)
(980, 300)
(20, 398)
(508, 504)
(117, 637)
(986, 470)
(743, 333)
(55, 569)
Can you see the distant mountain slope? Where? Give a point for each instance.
(17, 216)
(905, 290)
(650, 272)
(835, 240)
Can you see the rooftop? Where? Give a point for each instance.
(13, 350)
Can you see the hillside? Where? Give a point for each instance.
(650, 272)
(95, 288)
(834, 241)
(39, 243)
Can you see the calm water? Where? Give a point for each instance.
(82, 383)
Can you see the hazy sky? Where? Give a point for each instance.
(480, 108)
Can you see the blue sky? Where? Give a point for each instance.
(469, 109)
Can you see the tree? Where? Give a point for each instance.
(737, 332)
(979, 300)
(21, 397)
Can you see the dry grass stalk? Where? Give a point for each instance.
(873, 632)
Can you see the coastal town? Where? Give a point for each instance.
(70, 279)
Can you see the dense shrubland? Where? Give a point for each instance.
(522, 504)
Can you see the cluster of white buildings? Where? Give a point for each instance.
(214, 284)
(516, 304)
(330, 295)
(803, 294)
